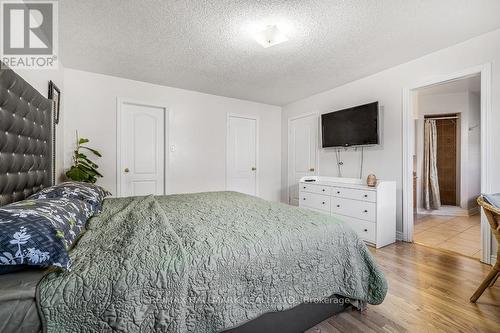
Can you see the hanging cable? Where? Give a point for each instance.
(339, 162)
(361, 166)
(337, 159)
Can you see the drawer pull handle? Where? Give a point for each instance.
(323, 202)
(365, 230)
(304, 187)
(366, 195)
(304, 199)
(338, 206)
(323, 190)
(365, 211)
(338, 192)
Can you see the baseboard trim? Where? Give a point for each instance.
(399, 235)
(457, 211)
(493, 260)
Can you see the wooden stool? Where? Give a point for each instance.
(493, 215)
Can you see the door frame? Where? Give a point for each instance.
(409, 145)
(289, 128)
(257, 166)
(166, 133)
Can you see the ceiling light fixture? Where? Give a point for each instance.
(270, 36)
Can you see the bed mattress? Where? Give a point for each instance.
(204, 262)
(18, 308)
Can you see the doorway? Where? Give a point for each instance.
(447, 158)
(302, 152)
(479, 153)
(141, 154)
(448, 166)
(242, 153)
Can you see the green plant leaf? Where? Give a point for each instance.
(87, 165)
(77, 174)
(89, 171)
(84, 169)
(92, 150)
(83, 159)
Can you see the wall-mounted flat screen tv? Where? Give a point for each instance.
(356, 126)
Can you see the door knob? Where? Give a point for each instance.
(126, 170)
(312, 169)
(254, 168)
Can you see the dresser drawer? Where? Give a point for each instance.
(313, 188)
(365, 229)
(355, 194)
(316, 201)
(363, 210)
(316, 210)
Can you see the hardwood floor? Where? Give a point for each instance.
(429, 291)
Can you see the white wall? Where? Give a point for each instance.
(474, 149)
(386, 87)
(39, 79)
(197, 129)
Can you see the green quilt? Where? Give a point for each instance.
(202, 263)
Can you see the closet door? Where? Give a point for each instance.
(241, 175)
(303, 143)
(141, 147)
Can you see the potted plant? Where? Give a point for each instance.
(83, 169)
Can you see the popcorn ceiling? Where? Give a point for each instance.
(208, 46)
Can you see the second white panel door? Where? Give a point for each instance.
(242, 155)
(302, 153)
(142, 141)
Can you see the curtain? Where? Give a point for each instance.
(430, 176)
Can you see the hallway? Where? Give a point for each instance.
(460, 234)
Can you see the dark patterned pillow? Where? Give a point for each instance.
(91, 193)
(40, 232)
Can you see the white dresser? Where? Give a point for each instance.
(370, 211)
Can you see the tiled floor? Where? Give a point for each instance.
(454, 233)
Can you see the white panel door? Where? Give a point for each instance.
(242, 155)
(302, 154)
(142, 146)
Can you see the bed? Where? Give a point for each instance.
(202, 262)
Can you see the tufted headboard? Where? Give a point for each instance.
(26, 138)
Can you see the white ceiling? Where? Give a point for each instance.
(208, 45)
